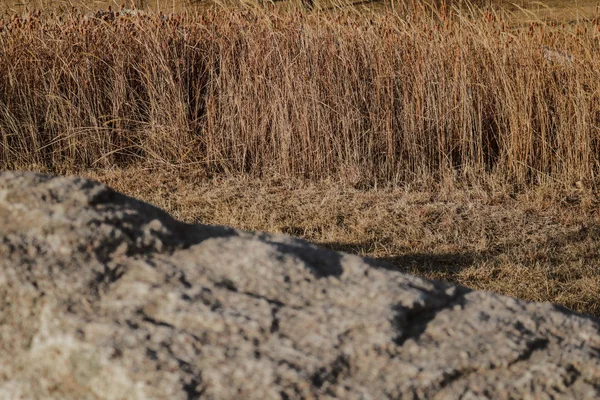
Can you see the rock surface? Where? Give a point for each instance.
(105, 297)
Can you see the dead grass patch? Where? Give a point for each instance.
(539, 245)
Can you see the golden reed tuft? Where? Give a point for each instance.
(394, 96)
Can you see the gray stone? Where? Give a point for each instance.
(105, 297)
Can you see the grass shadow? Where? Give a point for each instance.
(426, 263)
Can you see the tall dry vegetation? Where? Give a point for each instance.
(392, 97)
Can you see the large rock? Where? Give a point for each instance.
(105, 297)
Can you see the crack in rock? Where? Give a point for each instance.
(413, 322)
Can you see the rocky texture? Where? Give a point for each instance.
(105, 297)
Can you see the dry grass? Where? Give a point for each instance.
(561, 9)
(541, 245)
(394, 98)
(457, 145)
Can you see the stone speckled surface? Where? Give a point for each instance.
(105, 297)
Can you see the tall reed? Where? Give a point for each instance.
(396, 96)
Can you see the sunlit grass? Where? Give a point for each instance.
(388, 97)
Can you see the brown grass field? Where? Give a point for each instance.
(456, 142)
